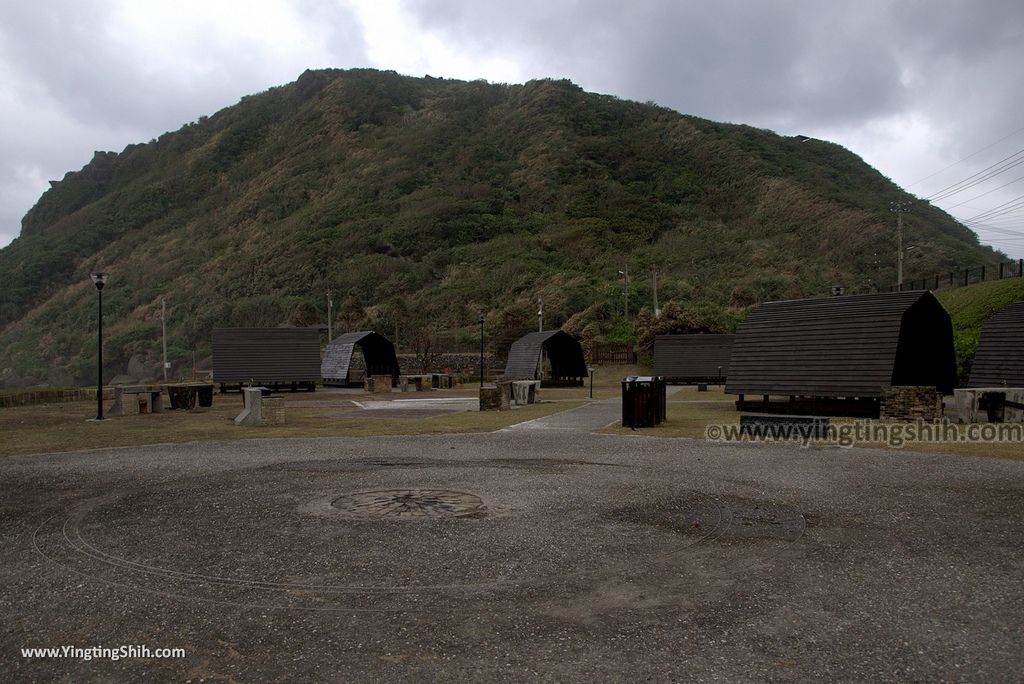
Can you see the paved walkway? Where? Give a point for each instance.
(591, 416)
(539, 555)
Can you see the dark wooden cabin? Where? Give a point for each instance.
(687, 359)
(564, 353)
(834, 355)
(271, 357)
(340, 367)
(999, 361)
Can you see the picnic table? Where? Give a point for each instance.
(147, 399)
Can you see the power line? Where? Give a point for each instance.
(1001, 166)
(985, 193)
(963, 159)
(995, 229)
(1004, 208)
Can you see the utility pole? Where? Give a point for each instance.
(330, 317)
(540, 315)
(625, 289)
(899, 206)
(657, 311)
(163, 331)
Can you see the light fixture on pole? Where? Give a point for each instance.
(99, 280)
(625, 289)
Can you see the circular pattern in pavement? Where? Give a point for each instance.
(410, 503)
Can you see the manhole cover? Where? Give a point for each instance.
(741, 520)
(410, 503)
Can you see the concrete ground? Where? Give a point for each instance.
(543, 554)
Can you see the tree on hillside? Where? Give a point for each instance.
(303, 314)
(352, 315)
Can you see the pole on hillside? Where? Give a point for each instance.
(163, 331)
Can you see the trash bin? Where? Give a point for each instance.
(204, 395)
(643, 401)
(994, 404)
(182, 396)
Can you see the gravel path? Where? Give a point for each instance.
(549, 554)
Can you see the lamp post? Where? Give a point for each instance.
(99, 280)
(481, 349)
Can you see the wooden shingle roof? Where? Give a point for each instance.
(999, 361)
(848, 346)
(682, 357)
(378, 352)
(564, 352)
(270, 355)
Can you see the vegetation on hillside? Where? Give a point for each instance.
(970, 307)
(420, 203)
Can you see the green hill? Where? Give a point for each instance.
(421, 202)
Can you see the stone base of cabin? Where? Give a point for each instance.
(911, 402)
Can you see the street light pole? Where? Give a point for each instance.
(481, 349)
(99, 280)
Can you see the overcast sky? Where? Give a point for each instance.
(927, 92)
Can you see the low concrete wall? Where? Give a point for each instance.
(968, 410)
(52, 396)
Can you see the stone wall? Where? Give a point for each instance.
(377, 383)
(911, 402)
(494, 398)
(273, 410)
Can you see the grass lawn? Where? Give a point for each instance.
(65, 427)
(689, 413)
(55, 427)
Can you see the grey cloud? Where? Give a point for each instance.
(72, 85)
(758, 62)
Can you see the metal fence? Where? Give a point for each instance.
(607, 353)
(965, 276)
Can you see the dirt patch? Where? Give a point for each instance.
(719, 517)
